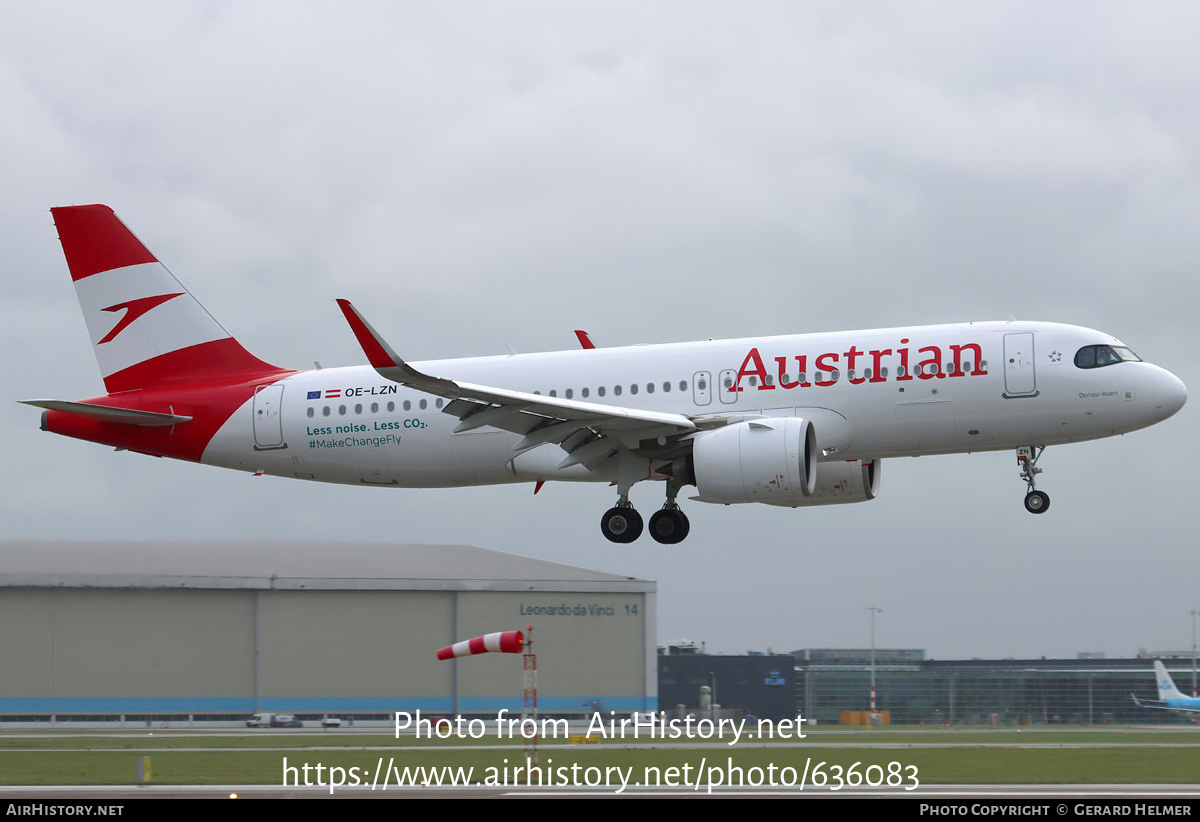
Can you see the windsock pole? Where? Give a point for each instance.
(530, 712)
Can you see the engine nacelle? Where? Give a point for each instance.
(771, 460)
(842, 482)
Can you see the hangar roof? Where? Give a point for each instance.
(292, 566)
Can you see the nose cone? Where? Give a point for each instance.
(1169, 393)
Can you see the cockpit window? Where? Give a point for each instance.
(1098, 356)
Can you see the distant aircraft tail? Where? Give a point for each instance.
(1166, 685)
(146, 328)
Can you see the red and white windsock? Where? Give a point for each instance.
(501, 642)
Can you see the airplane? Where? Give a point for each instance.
(1169, 697)
(791, 421)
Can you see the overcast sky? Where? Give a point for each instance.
(491, 175)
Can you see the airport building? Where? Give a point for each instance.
(823, 683)
(168, 632)
(762, 686)
(1082, 691)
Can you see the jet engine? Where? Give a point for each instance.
(771, 460)
(841, 482)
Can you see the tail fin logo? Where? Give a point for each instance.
(133, 310)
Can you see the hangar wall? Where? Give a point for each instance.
(348, 630)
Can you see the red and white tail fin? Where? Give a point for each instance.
(146, 328)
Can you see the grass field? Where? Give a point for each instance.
(938, 756)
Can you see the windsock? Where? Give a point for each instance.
(504, 642)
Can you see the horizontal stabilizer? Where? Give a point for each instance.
(107, 413)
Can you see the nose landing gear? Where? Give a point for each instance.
(1036, 502)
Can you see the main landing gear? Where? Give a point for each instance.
(623, 524)
(1036, 502)
(669, 526)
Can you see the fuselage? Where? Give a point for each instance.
(1189, 704)
(870, 394)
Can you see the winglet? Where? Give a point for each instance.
(381, 356)
(378, 352)
(584, 341)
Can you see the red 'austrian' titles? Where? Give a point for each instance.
(859, 364)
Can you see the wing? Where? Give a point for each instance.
(590, 433)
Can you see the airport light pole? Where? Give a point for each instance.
(873, 611)
(1194, 613)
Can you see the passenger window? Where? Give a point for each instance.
(358, 408)
(649, 388)
(667, 385)
(374, 408)
(325, 411)
(584, 392)
(633, 388)
(569, 393)
(311, 412)
(616, 390)
(341, 410)
(424, 404)
(408, 405)
(391, 406)
(600, 390)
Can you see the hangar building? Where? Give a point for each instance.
(148, 631)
